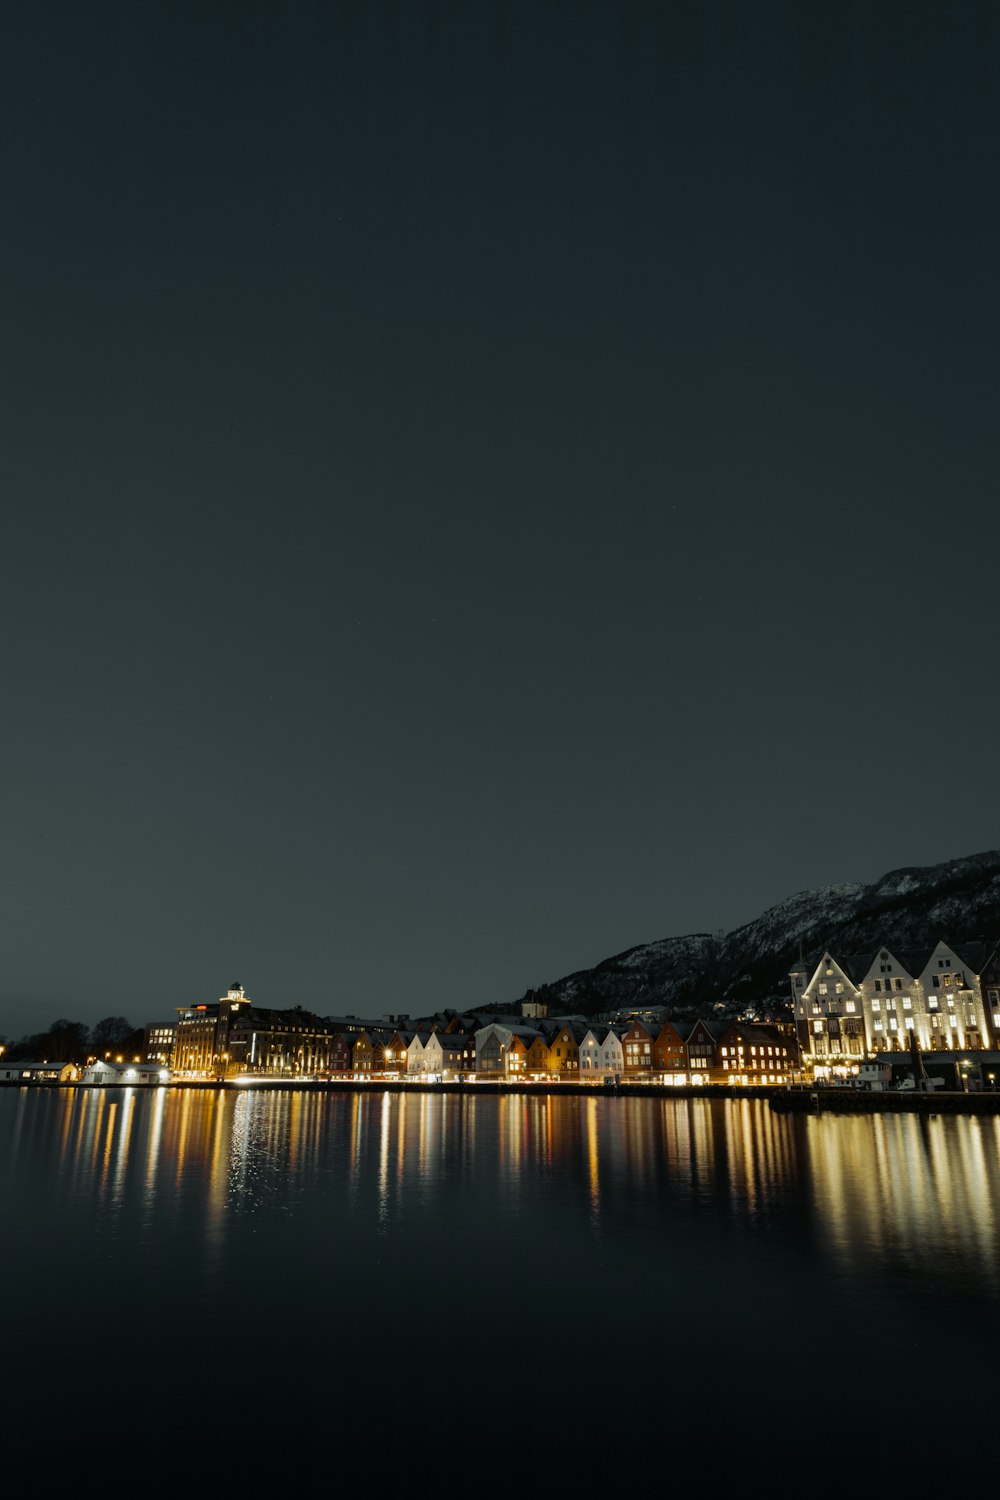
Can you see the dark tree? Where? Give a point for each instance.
(110, 1035)
(65, 1041)
(26, 1048)
(133, 1043)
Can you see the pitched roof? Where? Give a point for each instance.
(757, 1035)
(52, 1065)
(713, 1030)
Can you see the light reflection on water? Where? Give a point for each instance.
(298, 1220)
(919, 1193)
(872, 1186)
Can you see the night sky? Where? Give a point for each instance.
(485, 485)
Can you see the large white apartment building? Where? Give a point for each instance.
(846, 1008)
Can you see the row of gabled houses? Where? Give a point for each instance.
(236, 1038)
(568, 1051)
(582, 1051)
(940, 998)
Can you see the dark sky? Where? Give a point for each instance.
(484, 485)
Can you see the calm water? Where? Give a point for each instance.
(220, 1277)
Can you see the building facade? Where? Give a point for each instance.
(895, 1000)
(234, 1036)
(158, 1043)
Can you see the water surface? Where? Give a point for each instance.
(217, 1274)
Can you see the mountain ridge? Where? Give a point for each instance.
(957, 900)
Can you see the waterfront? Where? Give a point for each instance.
(220, 1274)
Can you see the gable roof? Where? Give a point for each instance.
(712, 1030)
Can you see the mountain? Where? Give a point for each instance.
(958, 901)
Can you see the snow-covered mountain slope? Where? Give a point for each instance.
(957, 901)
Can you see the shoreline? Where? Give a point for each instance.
(800, 1099)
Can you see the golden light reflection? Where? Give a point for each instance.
(404, 1119)
(109, 1136)
(121, 1151)
(187, 1097)
(153, 1147)
(356, 1137)
(758, 1153)
(218, 1125)
(894, 1189)
(906, 1187)
(593, 1166)
(68, 1099)
(94, 1134)
(383, 1157)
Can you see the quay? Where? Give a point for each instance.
(796, 1099)
(846, 1101)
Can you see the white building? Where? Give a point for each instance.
(446, 1054)
(829, 1015)
(125, 1075)
(416, 1057)
(591, 1066)
(888, 1001)
(602, 1055)
(39, 1072)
